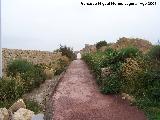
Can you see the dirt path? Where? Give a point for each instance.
(77, 98)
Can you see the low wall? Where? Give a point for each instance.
(33, 56)
(88, 48)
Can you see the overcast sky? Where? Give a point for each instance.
(44, 24)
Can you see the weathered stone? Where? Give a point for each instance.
(105, 71)
(17, 105)
(38, 117)
(4, 115)
(128, 97)
(23, 114)
(131, 99)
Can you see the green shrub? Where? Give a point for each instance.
(132, 72)
(154, 53)
(111, 84)
(112, 60)
(33, 106)
(18, 66)
(61, 68)
(111, 56)
(150, 107)
(38, 75)
(119, 56)
(95, 62)
(10, 89)
(116, 61)
(144, 84)
(152, 84)
(129, 52)
(7, 103)
(100, 44)
(110, 52)
(22, 77)
(31, 75)
(68, 52)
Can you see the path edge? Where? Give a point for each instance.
(49, 108)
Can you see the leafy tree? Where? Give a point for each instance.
(67, 51)
(100, 44)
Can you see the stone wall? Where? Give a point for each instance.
(33, 56)
(88, 48)
(143, 45)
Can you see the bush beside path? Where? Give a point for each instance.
(77, 97)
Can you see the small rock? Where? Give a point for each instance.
(123, 98)
(131, 99)
(124, 95)
(4, 115)
(105, 71)
(23, 114)
(17, 105)
(38, 117)
(128, 97)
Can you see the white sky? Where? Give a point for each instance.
(44, 24)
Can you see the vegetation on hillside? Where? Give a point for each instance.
(132, 72)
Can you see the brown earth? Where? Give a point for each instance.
(77, 98)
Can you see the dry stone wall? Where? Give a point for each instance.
(143, 45)
(88, 48)
(34, 56)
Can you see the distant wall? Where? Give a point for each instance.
(33, 56)
(88, 48)
(143, 45)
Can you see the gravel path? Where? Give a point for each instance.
(77, 98)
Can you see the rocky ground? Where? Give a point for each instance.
(42, 96)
